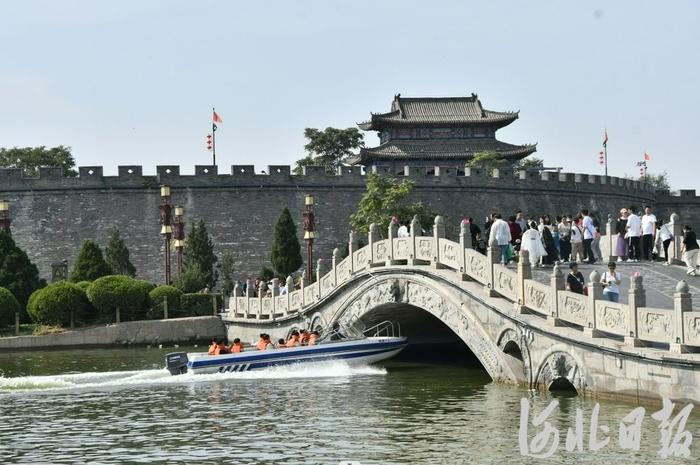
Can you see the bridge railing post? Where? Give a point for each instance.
(260, 297)
(373, 237)
(304, 282)
(392, 232)
(320, 271)
(438, 233)
(416, 231)
(249, 294)
(465, 242)
(595, 292)
(675, 255)
(524, 272)
(493, 256)
(609, 239)
(275, 292)
(557, 284)
(289, 284)
(636, 299)
(352, 248)
(682, 302)
(233, 300)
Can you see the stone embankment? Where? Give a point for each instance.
(176, 330)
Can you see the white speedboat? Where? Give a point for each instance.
(347, 344)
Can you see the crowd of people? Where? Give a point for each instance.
(296, 339)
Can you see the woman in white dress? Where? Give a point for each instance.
(531, 241)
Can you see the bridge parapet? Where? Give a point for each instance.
(678, 328)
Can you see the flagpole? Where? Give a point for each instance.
(213, 138)
(605, 154)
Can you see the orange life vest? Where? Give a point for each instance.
(304, 339)
(220, 349)
(292, 341)
(312, 340)
(236, 348)
(262, 344)
(212, 349)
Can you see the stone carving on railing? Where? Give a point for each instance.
(310, 293)
(295, 300)
(344, 270)
(424, 248)
(281, 304)
(266, 310)
(477, 266)
(572, 307)
(692, 328)
(537, 297)
(254, 306)
(655, 324)
(505, 282)
(402, 249)
(381, 252)
(242, 306)
(611, 317)
(449, 254)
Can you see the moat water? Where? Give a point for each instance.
(121, 406)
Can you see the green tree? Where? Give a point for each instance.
(487, 160)
(30, 159)
(17, 273)
(386, 197)
(191, 280)
(8, 307)
(529, 163)
(266, 274)
(658, 181)
(53, 304)
(160, 293)
(226, 272)
(286, 251)
(329, 148)
(108, 293)
(90, 263)
(199, 249)
(117, 255)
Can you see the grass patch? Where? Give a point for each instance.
(30, 329)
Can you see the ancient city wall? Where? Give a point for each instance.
(52, 214)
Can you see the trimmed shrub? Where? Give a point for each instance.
(83, 285)
(191, 280)
(108, 293)
(53, 304)
(199, 304)
(8, 307)
(156, 297)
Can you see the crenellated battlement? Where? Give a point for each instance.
(132, 176)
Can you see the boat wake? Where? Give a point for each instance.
(117, 379)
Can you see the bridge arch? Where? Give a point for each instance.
(559, 368)
(382, 291)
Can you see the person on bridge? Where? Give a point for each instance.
(588, 235)
(690, 250)
(532, 242)
(648, 232)
(500, 235)
(621, 246)
(612, 280)
(576, 240)
(634, 233)
(236, 347)
(574, 280)
(664, 236)
(564, 229)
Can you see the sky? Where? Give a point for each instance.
(133, 82)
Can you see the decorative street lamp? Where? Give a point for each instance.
(179, 235)
(5, 215)
(309, 234)
(166, 229)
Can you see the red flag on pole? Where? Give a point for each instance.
(647, 157)
(217, 118)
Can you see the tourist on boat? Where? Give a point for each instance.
(281, 344)
(220, 348)
(313, 337)
(293, 339)
(212, 347)
(304, 337)
(236, 347)
(264, 341)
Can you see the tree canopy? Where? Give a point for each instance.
(117, 255)
(529, 163)
(226, 272)
(90, 264)
(17, 273)
(386, 197)
(30, 159)
(329, 148)
(199, 249)
(487, 160)
(658, 181)
(286, 251)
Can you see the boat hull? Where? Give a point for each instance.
(364, 351)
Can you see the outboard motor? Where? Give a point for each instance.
(176, 363)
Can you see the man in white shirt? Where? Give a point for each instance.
(634, 232)
(588, 235)
(648, 232)
(500, 235)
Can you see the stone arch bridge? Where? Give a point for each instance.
(522, 331)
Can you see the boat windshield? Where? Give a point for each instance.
(342, 333)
